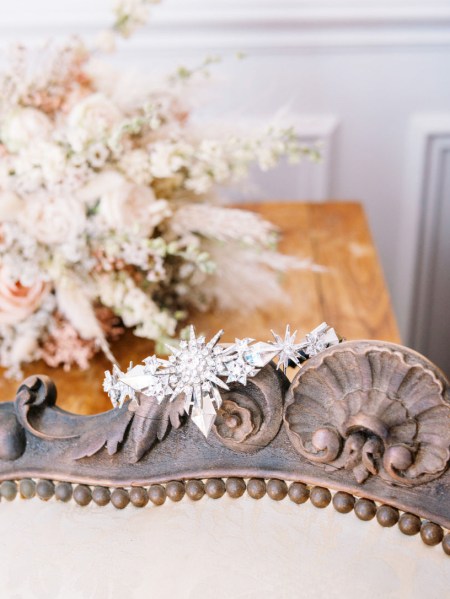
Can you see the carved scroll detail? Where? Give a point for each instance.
(139, 428)
(249, 419)
(251, 416)
(374, 410)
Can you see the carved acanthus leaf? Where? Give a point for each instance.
(152, 422)
(111, 435)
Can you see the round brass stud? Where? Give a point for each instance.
(101, 495)
(195, 489)
(409, 524)
(157, 494)
(446, 543)
(276, 489)
(387, 516)
(138, 496)
(431, 534)
(63, 492)
(365, 509)
(175, 490)
(320, 497)
(343, 502)
(298, 493)
(8, 490)
(82, 495)
(215, 488)
(256, 488)
(27, 488)
(120, 498)
(45, 489)
(235, 487)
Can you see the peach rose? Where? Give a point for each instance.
(16, 301)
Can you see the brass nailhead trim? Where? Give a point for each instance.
(139, 496)
(298, 492)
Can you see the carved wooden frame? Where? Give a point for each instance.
(366, 418)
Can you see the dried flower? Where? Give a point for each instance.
(107, 204)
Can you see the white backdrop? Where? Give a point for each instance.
(372, 78)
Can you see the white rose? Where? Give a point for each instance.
(53, 220)
(91, 120)
(124, 205)
(24, 126)
(11, 206)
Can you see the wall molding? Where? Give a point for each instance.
(249, 26)
(424, 193)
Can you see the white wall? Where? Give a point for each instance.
(373, 78)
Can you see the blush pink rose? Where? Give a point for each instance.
(18, 302)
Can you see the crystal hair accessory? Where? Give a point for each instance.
(197, 369)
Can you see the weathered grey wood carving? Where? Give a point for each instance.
(373, 410)
(365, 417)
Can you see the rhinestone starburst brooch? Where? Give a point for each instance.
(197, 369)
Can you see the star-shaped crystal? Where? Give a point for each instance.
(240, 346)
(116, 389)
(238, 369)
(286, 348)
(194, 369)
(147, 380)
(318, 339)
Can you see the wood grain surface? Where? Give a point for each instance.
(350, 294)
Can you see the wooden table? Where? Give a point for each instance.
(350, 295)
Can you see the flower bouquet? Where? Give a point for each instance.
(109, 217)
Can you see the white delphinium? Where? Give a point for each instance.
(135, 307)
(136, 166)
(22, 255)
(131, 14)
(169, 157)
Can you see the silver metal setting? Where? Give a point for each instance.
(197, 369)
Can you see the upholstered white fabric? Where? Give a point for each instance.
(220, 549)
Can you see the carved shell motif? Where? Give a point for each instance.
(372, 408)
